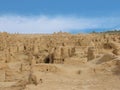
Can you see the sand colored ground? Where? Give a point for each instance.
(60, 61)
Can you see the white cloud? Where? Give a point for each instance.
(46, 24)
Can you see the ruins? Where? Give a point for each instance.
(30, 60)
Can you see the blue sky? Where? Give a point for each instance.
(47, 16)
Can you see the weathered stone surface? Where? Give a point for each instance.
(58, 59)
(2, 75)
(106, 57)
(91, 53)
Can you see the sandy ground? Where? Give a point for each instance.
(77, 77)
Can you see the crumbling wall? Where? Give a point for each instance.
(20, 54)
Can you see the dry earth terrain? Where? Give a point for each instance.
(60, 61)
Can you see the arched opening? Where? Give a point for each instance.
(24, 47)
(47, 60)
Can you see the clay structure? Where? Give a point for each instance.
(34, 61)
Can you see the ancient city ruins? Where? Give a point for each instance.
(60, 61)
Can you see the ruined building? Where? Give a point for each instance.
(21, 55)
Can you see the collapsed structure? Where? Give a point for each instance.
(22, 55)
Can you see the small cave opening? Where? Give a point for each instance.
(47, 60)
(25, 48)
